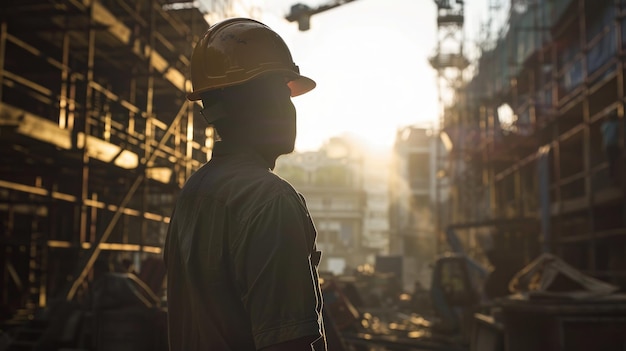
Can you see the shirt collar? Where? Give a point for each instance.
(225, 148)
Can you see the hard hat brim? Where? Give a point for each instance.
(298, 84)
(301, 85)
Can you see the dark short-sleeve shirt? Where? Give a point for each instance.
(241, 258)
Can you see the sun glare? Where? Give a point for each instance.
(372, 79)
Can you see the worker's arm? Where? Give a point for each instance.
(276, 277)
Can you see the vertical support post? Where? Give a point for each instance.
(3, 46)
(180, 165)
(620, 95)
(43, 267)
(491, 131)
(63, 97)
(107, 121)
(71, 111)
(7, 253)
(49, 233)
(133, 100)
(592, 247)
(150, 136)
(84, 211)
(93, 227)
(33, 253)
(518, 192)
(543, 170)
(189, 143)
(592, 243)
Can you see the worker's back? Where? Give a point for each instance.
(211, 303)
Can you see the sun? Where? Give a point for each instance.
(372, 108)
(363, 90)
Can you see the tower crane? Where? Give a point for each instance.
(302, 13)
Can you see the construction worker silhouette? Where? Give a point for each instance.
(240, 251)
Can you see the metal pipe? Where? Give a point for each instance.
(3, 36)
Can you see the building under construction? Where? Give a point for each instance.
(528, 165)
(96, 138)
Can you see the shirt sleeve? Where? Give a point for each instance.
(273, 266)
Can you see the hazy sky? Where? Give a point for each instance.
(370, 61)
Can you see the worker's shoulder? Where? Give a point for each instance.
(266, 181)
(248, 194)
(240, 184)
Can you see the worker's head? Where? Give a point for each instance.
(258, 113)
(245, 76)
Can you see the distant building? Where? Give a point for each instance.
(413, 193)
(351, 221)
(376, 219)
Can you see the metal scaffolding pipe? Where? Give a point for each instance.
(96, 249)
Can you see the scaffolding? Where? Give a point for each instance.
(96, 138)
(559, 68)
(450, 62)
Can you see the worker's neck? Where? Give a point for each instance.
(267, 152)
